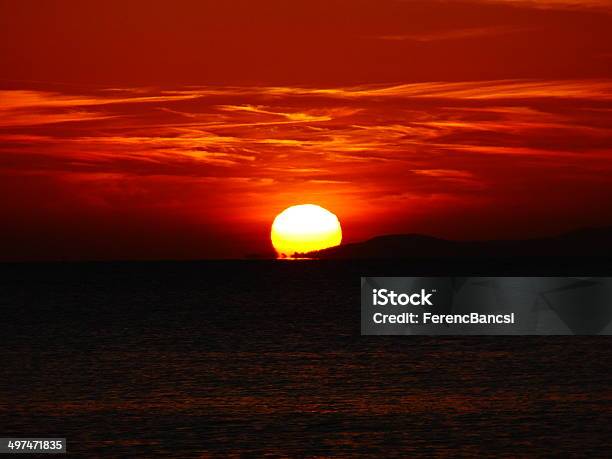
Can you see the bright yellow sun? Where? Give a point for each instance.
(305, 228)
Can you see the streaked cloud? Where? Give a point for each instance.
(556, 4)
(454, 34)
(21, 99)
(403, 149)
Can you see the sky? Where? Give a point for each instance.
(178, 130)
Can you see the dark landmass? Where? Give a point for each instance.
(590, 242)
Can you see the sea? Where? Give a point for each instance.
(265, 358)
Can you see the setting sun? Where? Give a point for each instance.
(305, 228)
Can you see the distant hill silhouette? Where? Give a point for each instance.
(591, 242)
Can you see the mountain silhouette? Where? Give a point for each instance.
(589, 242)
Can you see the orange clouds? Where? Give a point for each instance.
(234, 155)
(164, 129)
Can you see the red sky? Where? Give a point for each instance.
(150, 129)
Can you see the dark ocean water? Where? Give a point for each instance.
(199, 359)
